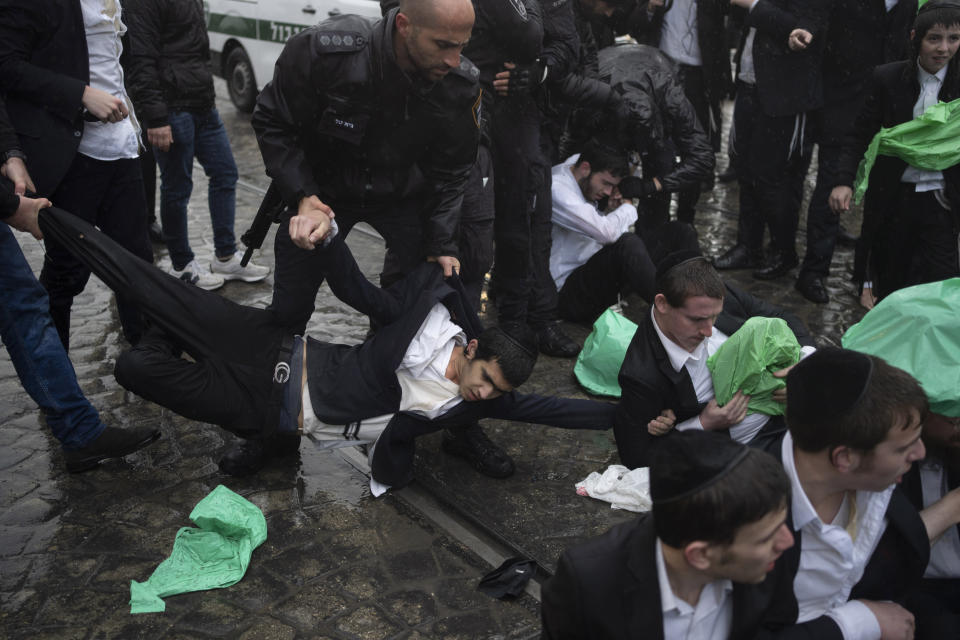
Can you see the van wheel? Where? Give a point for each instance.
(240, 80)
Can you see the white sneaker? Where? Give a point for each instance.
(196, 275)
(231, 269)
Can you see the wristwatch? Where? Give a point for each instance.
(13, 153)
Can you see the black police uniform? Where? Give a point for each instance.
(341, 120)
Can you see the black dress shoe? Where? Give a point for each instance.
(111, 443)
(737, 257)
(552, 341)
(473, 445)
(845, 238)
(777, 267)
(811, 288)
(250, 456)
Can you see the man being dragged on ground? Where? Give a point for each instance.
(665, 380)
(431, 365)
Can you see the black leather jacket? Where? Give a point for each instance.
(340, 120)
(660, 111)
(169, 58)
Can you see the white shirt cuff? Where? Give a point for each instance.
(753, 4)
(806, 350)
(690, 423)
(856, 621)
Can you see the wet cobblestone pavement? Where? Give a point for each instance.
(337, 563)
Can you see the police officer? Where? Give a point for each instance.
(373, 121)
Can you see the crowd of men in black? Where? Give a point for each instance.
(467, 133)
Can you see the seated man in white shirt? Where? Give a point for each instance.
(595, 257)
(854, 432)
(690, 569)
(664, 377)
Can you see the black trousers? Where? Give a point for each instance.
(709, 116)
(627, 265)
(771, 151)
(936, 605)
(299, 272)
(515, 145)
(108, 194)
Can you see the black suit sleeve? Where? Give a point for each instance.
(566, 413)
(23, 27)
(857, 140)
(8, 141)
(639, 404)
(561, 610)
(561, 43)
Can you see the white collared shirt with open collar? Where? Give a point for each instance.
(831, 560)
(710, 619)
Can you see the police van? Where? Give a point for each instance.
(246, 36)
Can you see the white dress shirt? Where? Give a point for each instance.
(711, 619)
(424, 389)
(929, 90)
(696, 365)
(945, 552)
(832, 559)
(678, 37)
(579, 229)
(104, 28)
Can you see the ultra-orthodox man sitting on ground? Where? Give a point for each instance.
(693, 567)
(430, 365)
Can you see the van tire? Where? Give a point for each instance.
(240, 80)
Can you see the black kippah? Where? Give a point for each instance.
(933, 5)
(829, 382)
(687, 462)
(676, 259)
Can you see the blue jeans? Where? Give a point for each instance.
(201, 135)
(36, 351)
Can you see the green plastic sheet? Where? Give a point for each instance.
(213, 556)
(929, 141)
(748, 359)
(598, 364)
(918, 330)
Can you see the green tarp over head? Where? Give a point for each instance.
(918, 330)
(926, 142)
(598, 364)
(212, 556)
(748, 359)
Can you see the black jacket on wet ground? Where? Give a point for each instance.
(340, 120)
(169, 58)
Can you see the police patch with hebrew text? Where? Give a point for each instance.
(477, 109)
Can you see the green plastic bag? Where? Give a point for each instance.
(929, 141)
(748, 359)
(598, 364)
(918, 330)
(214, 556)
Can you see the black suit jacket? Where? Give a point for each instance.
(788, 82)
(44, 68)
(607, 589)
(650, 384)
(893, 92)
(897, 564)
(351, 383)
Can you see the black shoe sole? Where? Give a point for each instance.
(94, 460)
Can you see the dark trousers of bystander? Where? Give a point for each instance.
(109, 195)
